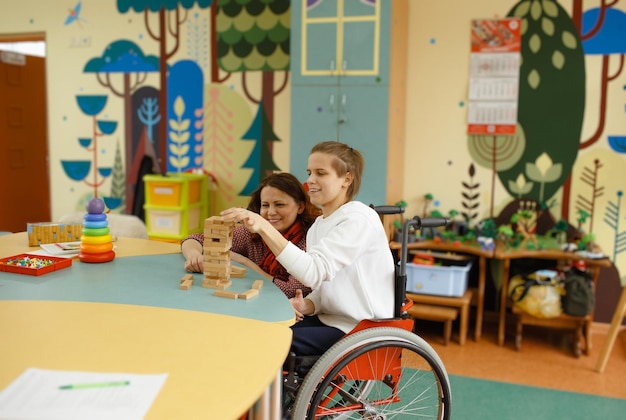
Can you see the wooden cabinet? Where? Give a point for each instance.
(340, 86)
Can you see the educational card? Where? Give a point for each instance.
(62, 248)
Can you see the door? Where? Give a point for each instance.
(23, 142)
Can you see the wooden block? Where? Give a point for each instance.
(249, 294)
(211, 280)
(186, 277)
(226, 294)
(185, 285)
(217, 220)
(237, 271)
(210, 255)
(257, 284)
(220, 285)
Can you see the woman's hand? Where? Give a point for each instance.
(301, 306)
(194, 262)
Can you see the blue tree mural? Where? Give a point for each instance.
(78, 170)
(124, 58)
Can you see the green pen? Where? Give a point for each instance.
(95, 385)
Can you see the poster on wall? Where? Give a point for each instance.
(494, 76)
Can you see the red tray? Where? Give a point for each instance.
(56, 263)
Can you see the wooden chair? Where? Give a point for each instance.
(435, 313)
(616, 322)
(459, 304)
(577, 325)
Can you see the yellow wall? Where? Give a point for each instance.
(437, 64)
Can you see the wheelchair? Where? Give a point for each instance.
(380, 370)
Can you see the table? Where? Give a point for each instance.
(17, 243)
(150, 283)
(465, 249)
(507, 254)
(217, 365)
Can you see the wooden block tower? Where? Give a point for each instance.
(218, 239)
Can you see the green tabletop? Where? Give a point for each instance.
(146, 280)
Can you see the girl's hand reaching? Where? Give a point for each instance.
(249, 219)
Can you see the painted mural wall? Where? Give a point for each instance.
(229, 112)
(568, 156)
(106, 64)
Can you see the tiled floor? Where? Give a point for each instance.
(545, 360)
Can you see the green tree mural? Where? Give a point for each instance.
(254, 36)
(169, 19)
(551, 97)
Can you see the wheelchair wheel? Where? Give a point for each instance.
(376, 374)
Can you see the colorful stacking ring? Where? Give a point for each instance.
(96, 240)
(95, 225)
(96, 249)
(95, 232)
(97, 258)
(95, 217)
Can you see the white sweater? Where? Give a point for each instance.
(348, 264)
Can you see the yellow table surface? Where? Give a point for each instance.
(217, 365)
(17, 243)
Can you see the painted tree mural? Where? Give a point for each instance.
(498, 153)
(551, 96)
(169, 18)
(254, 36)
(125, 58)
(79, 170)
(262, 134)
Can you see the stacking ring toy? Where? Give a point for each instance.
(97, 258)
(95, 232)
(96, 240)
(96, 224)
(96, 249)
(95, 217)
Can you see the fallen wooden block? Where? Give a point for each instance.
(238, 272)
(186, 284)
(186, 277)
(225, 294)
(257, 284)
(249, 294)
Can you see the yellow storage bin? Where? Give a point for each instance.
(175, 205)
(175, 189)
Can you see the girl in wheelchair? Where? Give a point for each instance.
(379, 369)
(347, 262)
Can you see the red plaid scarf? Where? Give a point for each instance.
(269, 263)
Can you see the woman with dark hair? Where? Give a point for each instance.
(281, 200)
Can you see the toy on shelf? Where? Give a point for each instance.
(96, 243)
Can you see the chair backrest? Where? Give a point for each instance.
(124, 225)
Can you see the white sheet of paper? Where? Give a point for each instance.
(35, 394)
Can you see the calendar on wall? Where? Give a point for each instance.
(494, 76)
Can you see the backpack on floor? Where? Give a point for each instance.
(579, 298)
